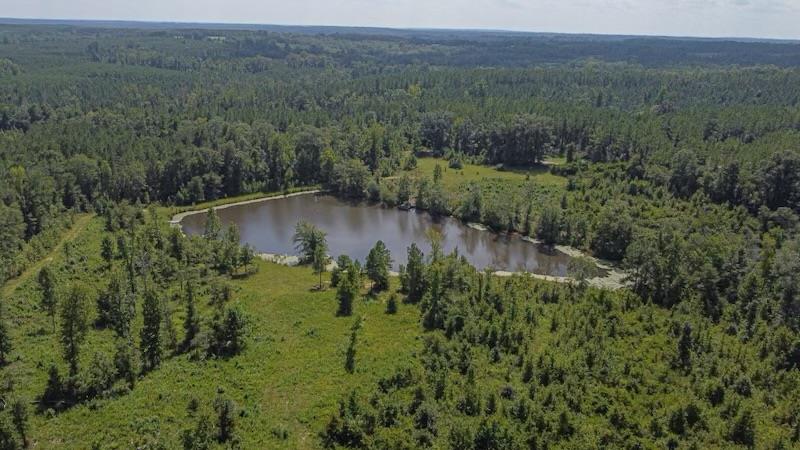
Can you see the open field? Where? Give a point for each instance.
(290, 377)
(453, 179)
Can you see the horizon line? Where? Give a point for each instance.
(210, 25)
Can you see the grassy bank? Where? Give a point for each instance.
(286, 383)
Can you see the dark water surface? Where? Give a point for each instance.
(354, 228)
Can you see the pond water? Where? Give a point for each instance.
(353, 230)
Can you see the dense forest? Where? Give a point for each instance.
(675, 159)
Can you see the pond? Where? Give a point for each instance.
(353, 229)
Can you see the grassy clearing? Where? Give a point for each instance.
(80, 223)
(454, 179)
(289, 379)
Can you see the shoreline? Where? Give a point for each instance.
(177, 218)
(613, 280)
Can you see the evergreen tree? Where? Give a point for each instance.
(5, 338)
(54, 390)
(685, 345)
(74, 324)
(312, 244)
(743, 429)
(8, 439)
(48, 286)
(107, 250)
(391, 305)
(347, 290)
(231, 250)
(342, 263)
(125, 362)
(191, 324)
(350, 354)
(226, 418)
(549, 225)
(228, 332)
(168, 328)
(404, 189)
(415, 272)
(213, 226)
(150, 336)
(200, 437)
(19, 416)
(320, 261)
(378, 262)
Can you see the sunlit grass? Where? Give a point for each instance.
(290, 377)
(454, 179)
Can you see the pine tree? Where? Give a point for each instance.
(415, 273)
(19, 416)
(107, 250)
(312, 244)
(378, 262)
(231, 250)
(685, 347)
(48, 286)
(168, 328)
(391, 305)
(228, 332)
(151, 331)
(320, 261)
(191, 324)
(743, 429)
(5, 338)
(226, 418)
(347, 291)
(350, 354)
(213, 225)
(125, 362)
(549, 225)
(74, 324)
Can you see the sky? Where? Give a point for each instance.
(705, 18)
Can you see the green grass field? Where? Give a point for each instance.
(453, 179)
(289, 378)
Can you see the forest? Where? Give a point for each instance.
(676, 160)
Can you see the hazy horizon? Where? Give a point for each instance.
(768, 19)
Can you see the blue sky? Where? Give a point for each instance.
(739, 18)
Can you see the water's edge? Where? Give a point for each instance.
(177, 218)
(614, 279)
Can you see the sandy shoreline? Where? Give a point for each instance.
(176, 219)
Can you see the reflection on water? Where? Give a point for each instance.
(354, 228)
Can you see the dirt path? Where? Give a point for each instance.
(81, 221)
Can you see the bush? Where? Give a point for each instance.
(391, 305)
(228, 332)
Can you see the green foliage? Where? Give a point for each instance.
(350, 353)
(678, 157)
(549, 226)
(5, 337)
(348, 288)
(226, 418)
(228, 330)
(74, 315)
(415, 274)
(392, 305)
(47, 284)
(150, 337)
(613, 234)
(379, 261)
(191, 323)
(312, 244)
